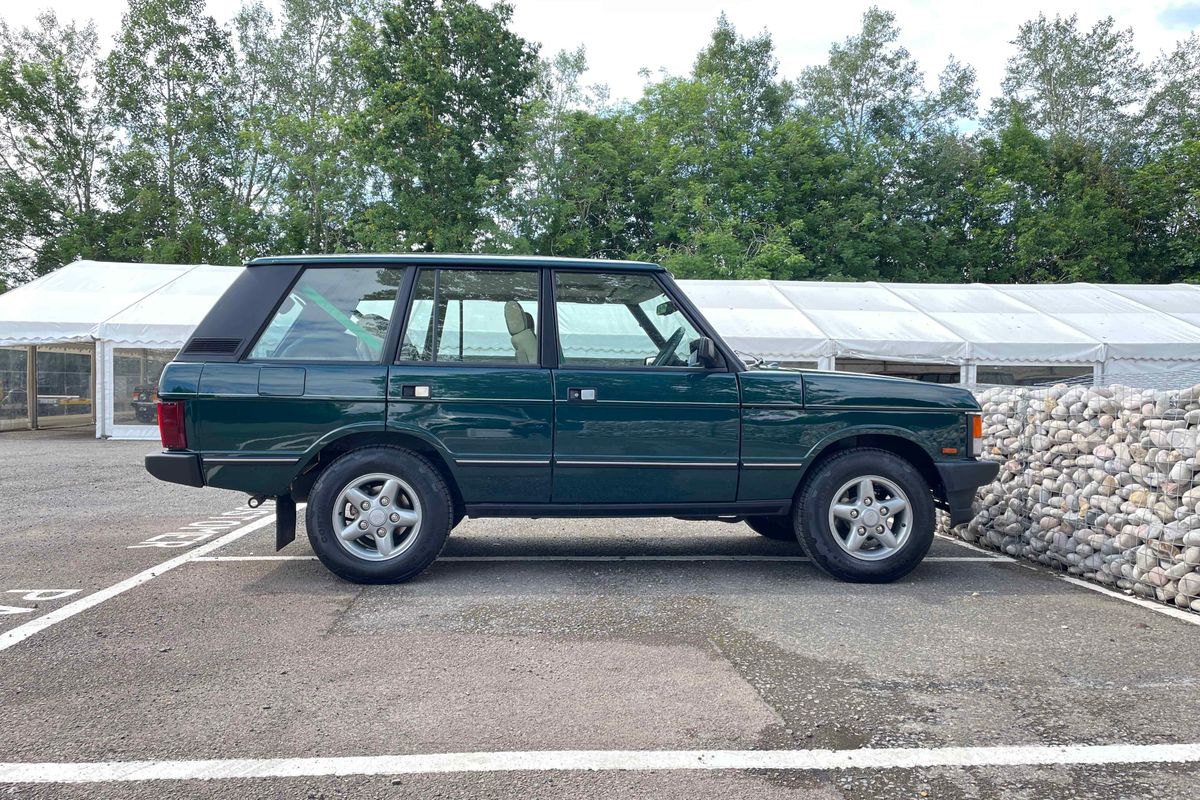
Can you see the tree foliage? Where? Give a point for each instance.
(430, 125)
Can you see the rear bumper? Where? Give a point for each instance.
(181, 468)
(961, 480)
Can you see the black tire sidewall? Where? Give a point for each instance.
(779, 527)
(810, 515)
(436, 513)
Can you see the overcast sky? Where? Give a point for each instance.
(623, 36)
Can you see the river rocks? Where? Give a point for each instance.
(1101, 482)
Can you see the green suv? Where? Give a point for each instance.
(397, 394)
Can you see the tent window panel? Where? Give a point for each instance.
(928, 373)
(1027, 375)
(14, 365)
(135, 384)
(64, 382)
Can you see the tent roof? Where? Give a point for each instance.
(167, 316)
(75, 302)
(956, 323)
(158, 305)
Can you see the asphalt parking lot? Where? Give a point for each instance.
(144, 622)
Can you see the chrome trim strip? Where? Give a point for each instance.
(661, 403)
(771, 465)
(535, 462)
(445, 399)
(725, 464)
(893, 409)
(796, 406)
(248, 460)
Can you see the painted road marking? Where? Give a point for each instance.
(23, 632)
(1190, 617)
(590, 760)
(196, 532)
(593, 558)
(34, 596)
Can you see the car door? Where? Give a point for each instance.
(634, 423)
(468, 379)
(316, 371)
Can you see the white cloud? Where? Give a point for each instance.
(622, 36)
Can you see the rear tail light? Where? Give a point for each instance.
(170, 424)
(975, 421)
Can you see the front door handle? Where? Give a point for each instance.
(577, 395)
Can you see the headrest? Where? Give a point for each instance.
(528, 320)
(515, 317)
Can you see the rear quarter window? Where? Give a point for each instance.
(332, 314)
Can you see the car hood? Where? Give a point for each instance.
(814, 389)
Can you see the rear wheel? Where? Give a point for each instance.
(379, 515)
(865, 515)
(779, 527)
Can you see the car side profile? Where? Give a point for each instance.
(398, 394)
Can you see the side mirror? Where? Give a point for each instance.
(703, 353)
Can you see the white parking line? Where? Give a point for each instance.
(596, 558)
(589, 760)
(1190, 617)
(23, 632)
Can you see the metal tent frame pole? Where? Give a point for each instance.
(103, 400)
(31, 391)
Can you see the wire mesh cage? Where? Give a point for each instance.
(1103, 482)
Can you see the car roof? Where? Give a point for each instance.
(450, 258)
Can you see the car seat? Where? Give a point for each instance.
(520, 328)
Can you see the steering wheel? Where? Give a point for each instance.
(668, 349)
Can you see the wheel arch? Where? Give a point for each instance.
(409, 440)
(892, 440)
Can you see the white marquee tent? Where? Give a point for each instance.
(107, 306)
(1112, 330)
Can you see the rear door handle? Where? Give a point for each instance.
(419, 391)
(578, 395)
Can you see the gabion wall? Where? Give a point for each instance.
(1101, 482)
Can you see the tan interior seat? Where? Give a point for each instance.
(520, 328)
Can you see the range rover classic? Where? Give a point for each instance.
(398, 394)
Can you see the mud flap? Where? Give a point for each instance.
(285, 521)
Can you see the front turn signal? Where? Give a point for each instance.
(975, 422)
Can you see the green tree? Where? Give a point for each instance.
(705, 136)
(318, 92)
(447, 82)
(1066, 82)
(53, 137)
(163, 80)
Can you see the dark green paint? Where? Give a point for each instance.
(873, 391)
(660, 415)
(481, 414)
(698, 436)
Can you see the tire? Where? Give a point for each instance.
(420, 493)
(780, 527)
(829, 535)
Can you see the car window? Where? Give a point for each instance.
(473, 316)
(608, 319)
(332, 314)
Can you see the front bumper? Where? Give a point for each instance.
(181, 468)
(961, 480)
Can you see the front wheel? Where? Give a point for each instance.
(379, 515)
(866, 515)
